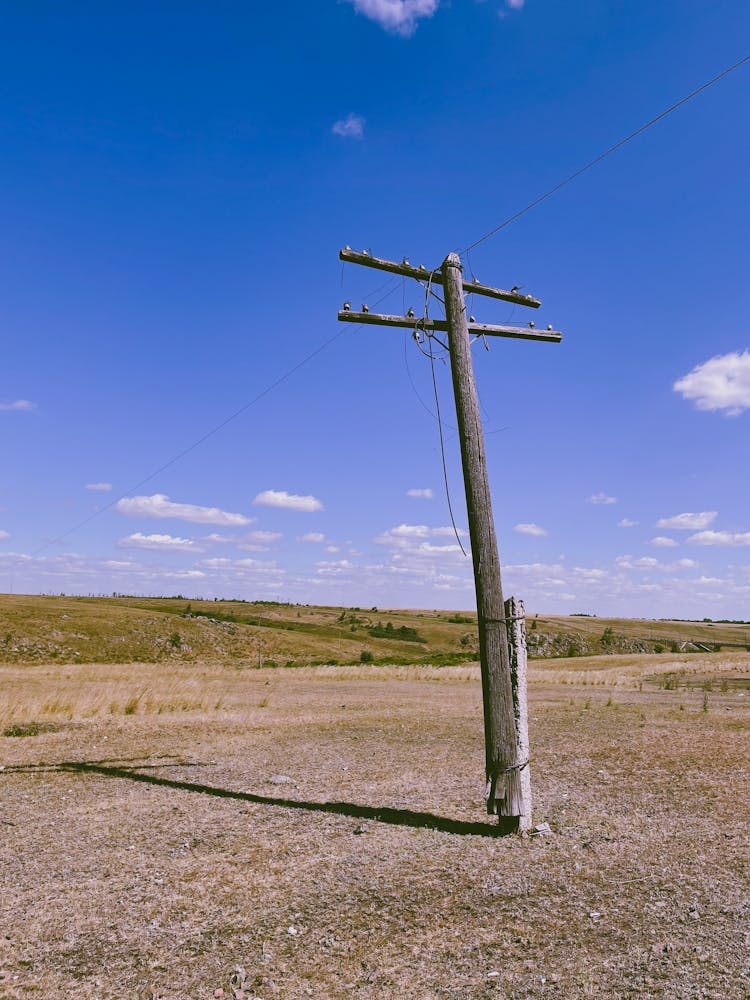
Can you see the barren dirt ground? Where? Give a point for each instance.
(150, 851)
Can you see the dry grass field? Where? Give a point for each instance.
(321, 829)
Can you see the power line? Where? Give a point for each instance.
(210, 433)
(608, 152)
(318, 350)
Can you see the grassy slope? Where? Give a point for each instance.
(125, 630)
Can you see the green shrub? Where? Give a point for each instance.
(366, 656)
(387, 631)
(30, 729)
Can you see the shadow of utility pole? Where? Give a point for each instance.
(380, 814)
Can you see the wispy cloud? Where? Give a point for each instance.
(406, 534)
(264, 536)
(4, 535)
(398, 16)
(626, 523)
(242, 568)
(417, 546)
(662, 542)
(258, 541)
(19, 405)
(158, 543)
(688, 521)
(351, 127)
(648, 562)
(312, 536)
(159, 505)
(601, 498)
(99, 487)
(425, 494)
(287, 501)
(531, 529)
(726, 538)
(721, 383)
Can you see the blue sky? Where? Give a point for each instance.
(176, 181)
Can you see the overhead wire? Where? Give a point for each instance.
(608, 152)
(210, 433)
(309, 357)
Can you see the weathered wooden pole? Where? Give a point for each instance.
(504, 793)
(515, 615)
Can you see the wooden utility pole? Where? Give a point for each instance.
(503, 779)
(503, 676)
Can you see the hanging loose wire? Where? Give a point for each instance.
(429, 338)
(442, 448)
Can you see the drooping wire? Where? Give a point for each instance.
(409, 375)
(442, 448)
(429, 339)
(608, 152)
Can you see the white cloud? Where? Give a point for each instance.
(99, 487)
(159, 505)
(645, 562)
(399, 16)
(590, 573)
(733, 538)
(601, 498)
(531, 529)
(515, 4)
(313, 536)
(158, 543)
(351, 127)
(648, 562)
(288, 501)
(19, 405)
(688, 521)
(420, 494)
(401, 534)
(242, 568)
(333, 568)
(418, 553)
(406, 535)
(662, 542)
(4, 535)
(264, 536)
(626, 523)
(430, 550)
(258, 541)
(721, 383)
